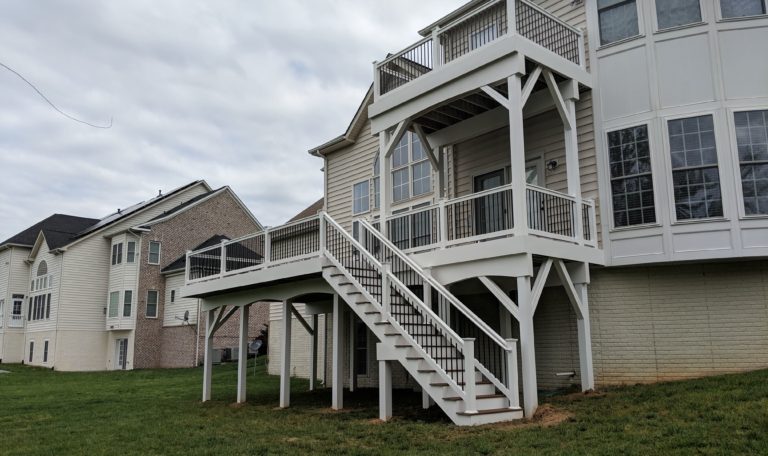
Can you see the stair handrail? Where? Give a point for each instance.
(437, 286)
(447, 330)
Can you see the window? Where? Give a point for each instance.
(482, 36)
(127, 301)
(741, 8)
(695, 176)
(173, 295)
(629, 156)
(672, 13)
(114, 299)
(48, 307)
(618, 20)
(752, 143)
(130, 253)
(152, 304)
(117, 253)
(31, 350)
(411, 171)
(45, 351)
(360, 198)
(154, 252)
(42, 269)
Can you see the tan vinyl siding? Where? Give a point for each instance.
(673, 322)
(53, 263)
(300, 342)
(5, 271)
(173, 314)
(345, 168)
(19, 279)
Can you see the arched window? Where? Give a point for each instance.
(42, 269)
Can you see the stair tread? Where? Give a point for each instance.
(479, 396)
(491, 411)
(484, 382)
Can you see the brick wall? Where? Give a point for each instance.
(156, 346)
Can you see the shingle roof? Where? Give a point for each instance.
(186, 204)
(58, 229)
(316, 207)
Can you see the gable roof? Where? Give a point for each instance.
(181, 262)
(58, 230)
(353, 130)
(313, 209)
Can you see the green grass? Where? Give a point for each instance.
(158, 412)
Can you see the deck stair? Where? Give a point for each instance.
(473, 379)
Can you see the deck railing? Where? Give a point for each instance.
(292, 242)
(474, 30)
(16, 321)
(488, 214)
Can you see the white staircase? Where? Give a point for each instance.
(472, 379)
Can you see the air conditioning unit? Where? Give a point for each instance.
(217, 354)
(234, 354)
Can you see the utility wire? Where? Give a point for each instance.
(51, 103)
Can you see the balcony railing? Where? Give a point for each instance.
(16, 321)
(488, 214)
(473, 31)
(288, 243)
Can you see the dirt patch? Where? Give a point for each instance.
(548, 415)
(585, 395)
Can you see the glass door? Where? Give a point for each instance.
(121, 354)
(490, 210)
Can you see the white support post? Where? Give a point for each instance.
(527, 348)
(337, 382)
(426, 401)
(386, 294)
(443, 220)
(285, 359)
(313, 352)
(470, 388)
(322, 233)
(517, 154)
(582, 53)
(223, 258)
(511, 17)
(437, 60)
(442, 173)
(512, 381)
(267, 247)
(573, 173)
(585, 341)
(186, 272)
(242, 359)
(385, 390)
(505, 322)
(376, 80)
(351, 352)
(385, 183)
(208, 356)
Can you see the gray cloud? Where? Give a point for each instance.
(231, 91)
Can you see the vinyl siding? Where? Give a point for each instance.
(19, 278)
(123, 277)
(574, 15)
(174, 312)
(54, 268)
(301, 343)
(5, 271)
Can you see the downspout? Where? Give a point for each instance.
(135, 311)
(197, 332)
(58, 306)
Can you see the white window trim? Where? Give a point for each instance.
(157, 305)
(719, 14)
(409, 166)
(149, 252)
(135, 244)
(655, 18)
(369, 197)
(46, 350)
(725, 195)
(640, 27)
(118, 305)
(731, 112)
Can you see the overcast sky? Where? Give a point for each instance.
(233, 92)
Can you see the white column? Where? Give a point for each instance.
(313, 352)
(470, 402)
(527, 348)
(585, 340)
(208, 356)
(285, 358)
(242, 362)
(385, 181)
(442, 172)
(573, 173)
(517, 154)
(337, 383)
(385, 390)
(426, 401)
(351, 349)
(505, 322)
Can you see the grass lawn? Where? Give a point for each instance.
(158, 412)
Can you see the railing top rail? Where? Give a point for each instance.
(550, 192)
(351, 239)
(437, 286)
(294, 223)
(479, 194)
(431, 207)
(468, 15)
(551, 16)
(400, 53)
(205, 249)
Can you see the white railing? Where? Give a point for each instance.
(291, 242)
(473, 30)
(16, 321)
(488, 214)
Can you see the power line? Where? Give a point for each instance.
(51, 103)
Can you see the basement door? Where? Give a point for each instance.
(121, 354)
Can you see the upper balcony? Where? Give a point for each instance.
(478, 40)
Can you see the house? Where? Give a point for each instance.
(533, 196)
(96, 294)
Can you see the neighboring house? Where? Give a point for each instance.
(90, 294)
(518, 205)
